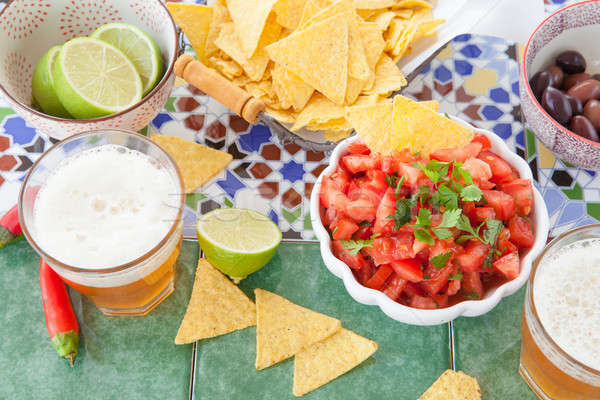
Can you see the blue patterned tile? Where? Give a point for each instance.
(554, 200)
(231, 184)
(463, 38)
(471, 51)
(586, 221)
(491, 113)
(499, 95)
(252, 140)
(520, 138)
(161, 119)
(292, 171)
(442, 74)
(18, 129)
(572, 211)
(463, 67)
(274, 217)
(503, 130)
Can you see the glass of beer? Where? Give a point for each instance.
(104, 209)
(560, 326)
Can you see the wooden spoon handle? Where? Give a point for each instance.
(218, 87)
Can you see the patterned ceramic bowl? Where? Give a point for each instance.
(575, 27)
(414, 316)
(29, 28)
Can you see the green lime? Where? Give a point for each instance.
(138, 47)
(237, 241)
(43, 86)
(93, 78)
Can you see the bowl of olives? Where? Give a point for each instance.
(560, 84)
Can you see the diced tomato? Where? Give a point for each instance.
(453, 287)
(408, 269)
(459, 154)
(508, 265)
(343, 228)
(328, 215)
(389, 164)
(379, 278)
(364, 232)
(441, 300)
(520, 231)
(341, 179)
(473, 256)
(483, 213)
(331, 196)
(365, 273)
(354, 262)
(502, 203)
(358, 148)
(471, 284)
(411, 174)
(499, 167)
(480, 171)
(422, 302)
(361, 209)
(377, 179)
(438, 278)
(383, 221)
(486, 185)
(504, 245)
(485, 142)
(522, 191)
(412, 290)
(394, 287)
(357, 163)
(384, 250)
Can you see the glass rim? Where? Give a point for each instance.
(121, 267)
(531, 300)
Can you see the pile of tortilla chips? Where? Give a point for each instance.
(307, 59)
(322, 349)
(406, 124)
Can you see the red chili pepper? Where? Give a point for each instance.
(60, 319)
(10, 227)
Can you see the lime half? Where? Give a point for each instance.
(93, 78)
(237, 241)
(43, 86)
(138, 47)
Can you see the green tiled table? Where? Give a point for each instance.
(135, 358)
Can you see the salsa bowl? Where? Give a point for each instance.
(469, 308)
(29, 28)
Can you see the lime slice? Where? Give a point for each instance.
(43, 86)
(138, 47)
(237, 241)
(93, 78)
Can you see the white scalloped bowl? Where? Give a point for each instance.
(468, 308)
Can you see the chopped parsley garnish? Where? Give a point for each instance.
(423, 236)
(490, 235)
(453, 277)
(403, 213)
(364, 223)
(473, 295)
(354, 246)
(440, 260)
(471, 193)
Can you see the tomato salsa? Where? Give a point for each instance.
(428, 231)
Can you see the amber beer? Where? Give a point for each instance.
(560, 326)
(104, 210)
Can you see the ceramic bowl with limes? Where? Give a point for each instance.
(28, 29)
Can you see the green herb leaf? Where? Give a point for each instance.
(398, 186)
(465, 175)
(354, 246)
(455, 276)
(391, 180)
(450, 218)
(423, 236)
(463, 238)
(473, 295)
(448, 197)
(426, 277)
(494, 227)
(365, 223)
(423, 194)
(403, 214)
(487, 262)
(446, 115)
(442, 233)
(424, 218)
(464, 224)
(440, 260)
(471, 193)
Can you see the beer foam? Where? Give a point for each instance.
(105, 207)
(565, 294)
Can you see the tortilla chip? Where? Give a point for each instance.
(219, 17)
(217, 307)
(453, 385)
(324, 361)
(404, 13)
(388, 77)
(310, 9)
(289, 12)
(421, 129)
(336, 135)
(194, 20)
(318, 54)
(357, 61)
(367, 100)
(292, 88)
(373, 4)
(229, 68)
(283, 328)
(285, 116)
(197, 163)
(431, 104)
(250, 18)
(373, 123)
(428, 28)
(383, 19)
(412, 4)
(372, 39)
(318, 110)
(256, 65)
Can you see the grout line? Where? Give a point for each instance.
(193, 367)
(451, 345)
